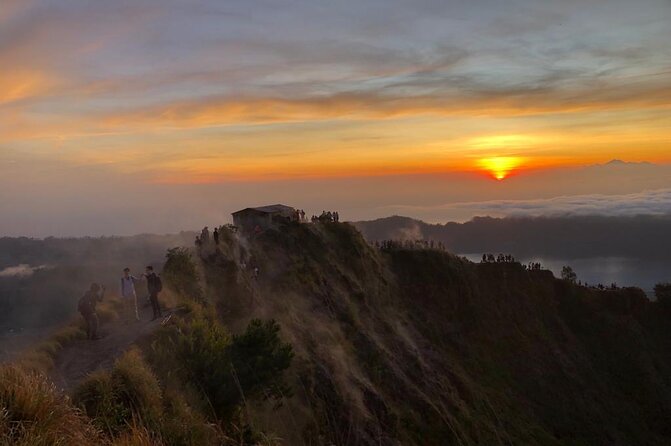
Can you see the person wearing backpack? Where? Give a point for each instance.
(154, 286)
(87, 308)
(129, 296)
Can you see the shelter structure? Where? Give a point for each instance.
(263, 217)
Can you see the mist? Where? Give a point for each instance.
(629, 250)
(42, 279)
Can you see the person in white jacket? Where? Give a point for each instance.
(128, 295)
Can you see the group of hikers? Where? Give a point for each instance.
(387, 245)
(501, 258)
(326, 217)
(128, 293)
(509, 258)
(601, 286)
(204, 238)
(299, 215)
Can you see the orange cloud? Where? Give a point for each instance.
(219, 111)
(16, 85)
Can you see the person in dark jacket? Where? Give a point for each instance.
(154, 286)
(87, 308)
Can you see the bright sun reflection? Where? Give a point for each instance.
(500, 166)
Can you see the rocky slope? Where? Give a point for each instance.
(406, 346)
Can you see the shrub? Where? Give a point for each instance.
(663, 293)
(184, 426)
(259, 358)
(226, 371)
(137, 436)
(181, 274)
(33, 412)
(568, 274)
(127, 395)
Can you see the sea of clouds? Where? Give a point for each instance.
(653, 202)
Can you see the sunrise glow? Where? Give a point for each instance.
(501, 166)
(438, 104)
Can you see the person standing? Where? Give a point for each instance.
(154, 286)
(87, 308)
(128, 295)
(215, 235)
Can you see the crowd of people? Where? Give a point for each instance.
(601, 286)
(501, 258)
(388, 245)
(127, 291)
(509, 258)
(326, 217)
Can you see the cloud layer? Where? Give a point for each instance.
(655, 202)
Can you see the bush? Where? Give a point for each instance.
(137, 436)
(33, 412)
(259, 358)
(126, 396)
(184, 426)
(663, 293)
(568, 274)
(227, 370)
(180, 273)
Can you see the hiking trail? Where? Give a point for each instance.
(78, 359)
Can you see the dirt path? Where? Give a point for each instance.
(82, 357)
(14, 342)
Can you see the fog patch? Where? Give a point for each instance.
(21, 270)
(652, 202)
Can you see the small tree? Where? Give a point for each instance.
(663, 293)
(228, 370)
(180, 273)
(568, 274)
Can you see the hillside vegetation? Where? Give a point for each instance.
(339, 343)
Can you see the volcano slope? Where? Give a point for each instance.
(420, 347)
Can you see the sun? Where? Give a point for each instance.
(500, 167)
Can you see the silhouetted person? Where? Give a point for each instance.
(87, 308)
(199, 242)
(128, 295)
(205, 235)
(154, 286)
(215, 236)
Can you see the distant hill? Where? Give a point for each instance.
(644, 237)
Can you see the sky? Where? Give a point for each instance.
(154, 116)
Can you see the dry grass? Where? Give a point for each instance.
(33, 412)
(137, 436)
(127, 395)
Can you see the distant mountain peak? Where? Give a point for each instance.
(618, 162)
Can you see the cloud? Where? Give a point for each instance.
(655, 202)
(21, 270)
(135, 66)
